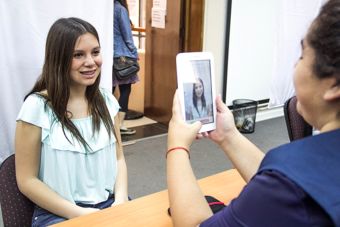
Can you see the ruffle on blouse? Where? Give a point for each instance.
(57, 140)
(35, 111)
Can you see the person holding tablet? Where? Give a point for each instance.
(68, 155)
(297, 184)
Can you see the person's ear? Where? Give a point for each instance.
(333, 92)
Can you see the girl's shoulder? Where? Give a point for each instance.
(41, 96)
(36, 98)
(35, 110)
(106, 93)
(111, 102)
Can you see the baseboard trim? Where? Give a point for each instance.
(269, 113)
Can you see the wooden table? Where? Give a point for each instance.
(151, 210)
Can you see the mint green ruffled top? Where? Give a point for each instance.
(76, 173)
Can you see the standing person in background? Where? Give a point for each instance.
(123, 46)
(68, 155)
(296, 184)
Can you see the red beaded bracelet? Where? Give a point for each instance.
(177, 148)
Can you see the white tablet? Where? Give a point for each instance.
(196, 88)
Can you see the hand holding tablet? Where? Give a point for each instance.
(196, 88)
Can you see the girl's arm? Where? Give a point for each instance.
(121, 185)
(27, 162)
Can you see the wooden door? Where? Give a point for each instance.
(162, 46)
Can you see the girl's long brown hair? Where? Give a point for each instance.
(55, 77)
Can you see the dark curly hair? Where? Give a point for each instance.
(324, 38)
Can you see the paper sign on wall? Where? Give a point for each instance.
(158, 18)
(161, 4)
(158, 13)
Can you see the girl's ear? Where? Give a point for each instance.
(333, 92)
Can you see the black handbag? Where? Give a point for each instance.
(125, 67)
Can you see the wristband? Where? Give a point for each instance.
(177, 148)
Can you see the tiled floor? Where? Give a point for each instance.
(145, 131)
(138, 122)
(145, 128)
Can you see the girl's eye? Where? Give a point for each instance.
(77, 55)
(96, 52)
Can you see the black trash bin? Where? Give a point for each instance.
(244, 111)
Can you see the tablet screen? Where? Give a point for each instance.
(198, 95)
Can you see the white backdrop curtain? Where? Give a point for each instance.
(23, 30)
(293, 21)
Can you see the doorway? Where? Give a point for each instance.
(153, 94)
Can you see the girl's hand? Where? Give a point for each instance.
(119, 201)
(180, 133)
(87, 210)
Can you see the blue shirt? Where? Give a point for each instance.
(123, 40)
(298, 184)
(270, 199)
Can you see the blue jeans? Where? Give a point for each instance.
(42, 217)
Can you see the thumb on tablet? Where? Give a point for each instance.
(176, 107)
(221, 107)
(197, 125)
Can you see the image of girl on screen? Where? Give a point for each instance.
(200, 108)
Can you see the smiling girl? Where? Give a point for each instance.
(69, 159)
(200, 109)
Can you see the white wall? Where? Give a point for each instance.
(257, 29)
(250, 80)
(252, 48)
(214, 36)
(215, 20)
(23, 30)
(264, 45)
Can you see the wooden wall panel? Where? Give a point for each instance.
(183, 32)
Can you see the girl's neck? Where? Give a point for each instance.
(77, 104)
(77, 92)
